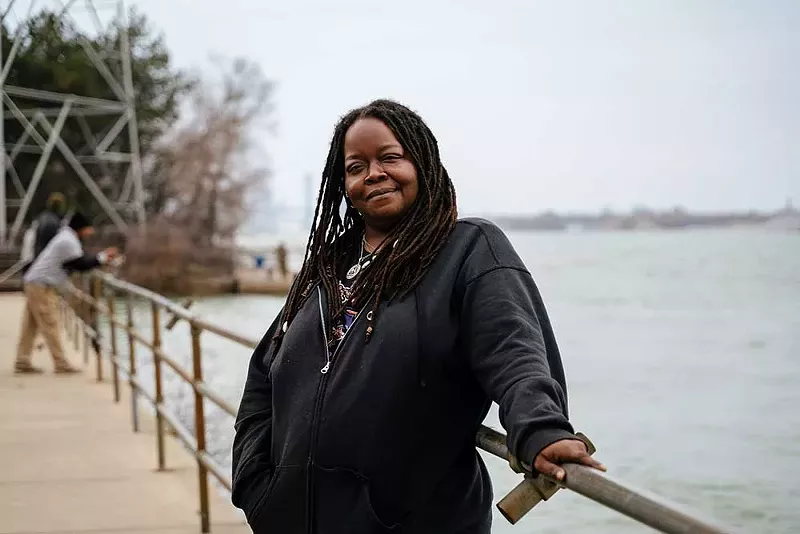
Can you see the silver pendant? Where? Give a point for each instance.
(353, 272)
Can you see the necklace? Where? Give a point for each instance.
(359, 266)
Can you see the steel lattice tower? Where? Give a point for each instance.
(43, 123)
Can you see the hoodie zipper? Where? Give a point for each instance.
(328, 355)
(318, 406)
(328, 358)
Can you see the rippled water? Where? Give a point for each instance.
(682, 353)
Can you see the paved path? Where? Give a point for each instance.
(70, 463)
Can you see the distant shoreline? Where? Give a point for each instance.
(787, 218)
(783, 220)
(650, 231)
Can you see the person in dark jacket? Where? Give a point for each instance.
(362, 400)
(47, 225)
(49, 222)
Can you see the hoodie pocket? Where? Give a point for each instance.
(342, 503)
(281, 507)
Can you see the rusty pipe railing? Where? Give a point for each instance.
(637, 504)
(81, 310)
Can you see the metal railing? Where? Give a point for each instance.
(97, 294)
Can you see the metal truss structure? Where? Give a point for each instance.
(44, 123)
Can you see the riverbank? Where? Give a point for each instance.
(176, 269)
(261, 282)
(245, 281)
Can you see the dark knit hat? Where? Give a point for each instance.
(79, 221)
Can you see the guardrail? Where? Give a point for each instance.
(100, 299)
(97, 295)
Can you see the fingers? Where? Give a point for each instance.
(549, 459)
(548, 468)
(579, 455)
(591, 462)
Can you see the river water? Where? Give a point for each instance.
(682, 353)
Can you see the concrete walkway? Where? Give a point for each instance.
(70, 463)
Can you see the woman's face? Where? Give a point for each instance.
(379, 177)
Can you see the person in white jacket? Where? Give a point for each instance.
(49, 273)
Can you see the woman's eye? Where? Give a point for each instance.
(354, 168)
(391, 157)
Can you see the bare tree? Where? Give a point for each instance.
(211, 170)
(207, 173)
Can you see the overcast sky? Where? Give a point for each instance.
(536, 105)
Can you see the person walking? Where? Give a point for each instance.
(363, 398)
(49, 273)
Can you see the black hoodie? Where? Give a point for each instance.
(384, 441)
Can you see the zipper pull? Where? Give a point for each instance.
(324, 370)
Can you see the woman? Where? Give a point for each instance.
(363, 399)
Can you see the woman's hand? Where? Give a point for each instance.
(573, 451)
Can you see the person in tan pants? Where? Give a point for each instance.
(48, 273)
(41, 316)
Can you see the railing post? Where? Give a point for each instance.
(110, 298)
(97, 292)
(86, 314)
(200, 429)
(159, 387)
(132, 363)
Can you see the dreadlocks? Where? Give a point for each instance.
(411, 247)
